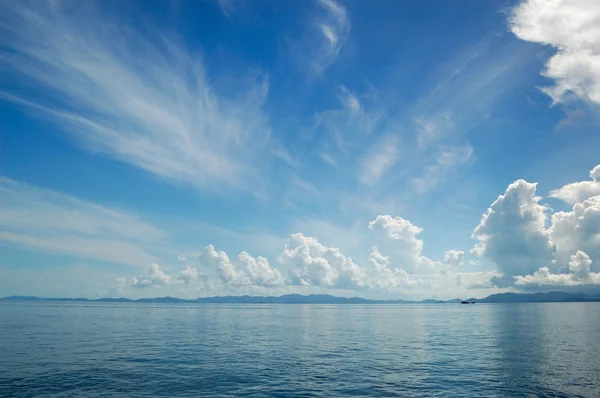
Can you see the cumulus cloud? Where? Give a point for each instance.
(400, 231)
(188, 275)
(311, 263)
(572, 27)
(153, 276)
(219, 261)
(579, 274)
(578, 229)
(213, 270)
(454, 258)
(399, 238)
(477, 280)
(387, 277)
(144, 100)
(528, 247)
(511, 232)
(246, 271)
(579, 191)
(259, 271)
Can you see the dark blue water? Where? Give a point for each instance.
(134, 350)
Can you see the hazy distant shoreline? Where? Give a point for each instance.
(550, 297)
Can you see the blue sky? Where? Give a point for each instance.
(379, 149)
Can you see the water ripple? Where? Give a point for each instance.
(139, 350)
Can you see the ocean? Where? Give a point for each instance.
(53, 349)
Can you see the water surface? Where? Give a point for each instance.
(446, 350)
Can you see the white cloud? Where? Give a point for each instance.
(213, 271)
(246, 271)
(349, 100)
(433, 128)
(305, 186)
(153, 276)
(95, 248)
(327, 158)
(398, 237)
(595, 173)
(333, 27)
(46, 220)
(259, 271)
(454, 258)
(281, 153)
(348, 238)
(511, 232)
(343, 132)
(579, 191)
(226, 271)
(226, 6)
(311, 263)
(477, 280)
(578, 229)
(580, 265)
(399, 231)
(447, 159)
(147, 103)
(573, 28)
(543, 277)
(188, 275)
(449, 156)
(386, 277)
(580, 274)
(379, 159)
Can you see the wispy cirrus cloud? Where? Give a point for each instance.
(382, 156)
(48, 221)
(466, 88)
(142, 99)
(225, 6)
(433, 128)
(349, 100)
(447, 159)
(328, 34)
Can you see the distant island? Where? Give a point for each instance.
(550, 297)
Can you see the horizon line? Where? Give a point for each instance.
(308, 296)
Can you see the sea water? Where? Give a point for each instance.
(54, 349)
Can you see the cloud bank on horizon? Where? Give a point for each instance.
(140, 151)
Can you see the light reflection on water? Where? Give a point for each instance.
(97, 349)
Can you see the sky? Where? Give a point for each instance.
(384, 149)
